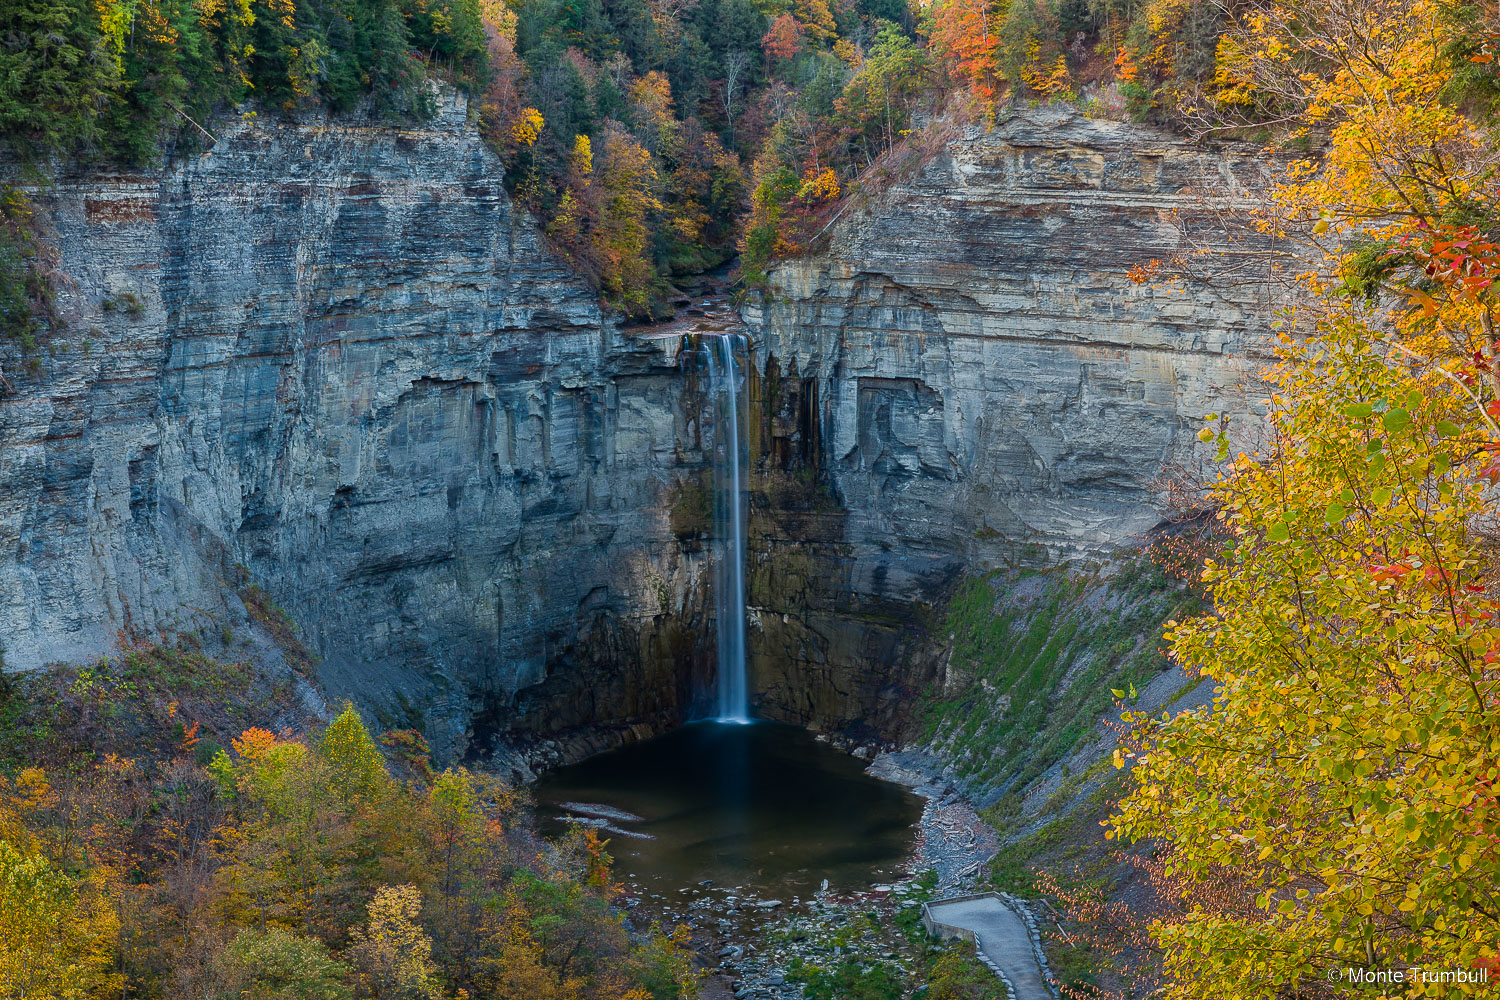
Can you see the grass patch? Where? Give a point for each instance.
(846, 979)
(158, 700)
(1009, 869)
(274, 619)
(1071, 837)
(1037, 672)
(955, 973)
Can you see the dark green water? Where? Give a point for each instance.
(763, 806)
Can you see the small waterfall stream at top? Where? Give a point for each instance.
(730, 461)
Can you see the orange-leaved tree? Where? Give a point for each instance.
(966, 35)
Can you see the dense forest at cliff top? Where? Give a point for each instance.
(653, 137)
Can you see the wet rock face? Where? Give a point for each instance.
(825, 649)
(972, 380)
(338, 357)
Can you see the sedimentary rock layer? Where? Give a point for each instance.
(335, 361)
(985, 382)
(332, 361)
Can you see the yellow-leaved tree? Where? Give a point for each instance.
(627, 183)
(58, 934)
(1347, 769)
(312, 825)
(392, 951)
(1345, 776)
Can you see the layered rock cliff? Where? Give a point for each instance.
(334, 361)
(970, 379)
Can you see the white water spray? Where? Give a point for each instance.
(729, 522)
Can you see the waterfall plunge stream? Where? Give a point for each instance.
(730, 461)
(714, 807)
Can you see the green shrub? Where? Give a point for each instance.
(275, 964)
(958, 975)
(26, 296)
(850, 979)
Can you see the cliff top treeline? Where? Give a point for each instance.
(115, 79)
(652, 137)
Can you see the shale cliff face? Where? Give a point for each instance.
(972, 380)
(335, 362)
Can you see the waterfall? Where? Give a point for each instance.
(730, 461)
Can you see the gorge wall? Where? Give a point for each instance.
(971, 380)
(332, 361)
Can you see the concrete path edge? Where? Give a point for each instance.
(939, 929)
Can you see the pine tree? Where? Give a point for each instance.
(57, 72)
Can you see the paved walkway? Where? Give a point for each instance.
(1003, 939)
